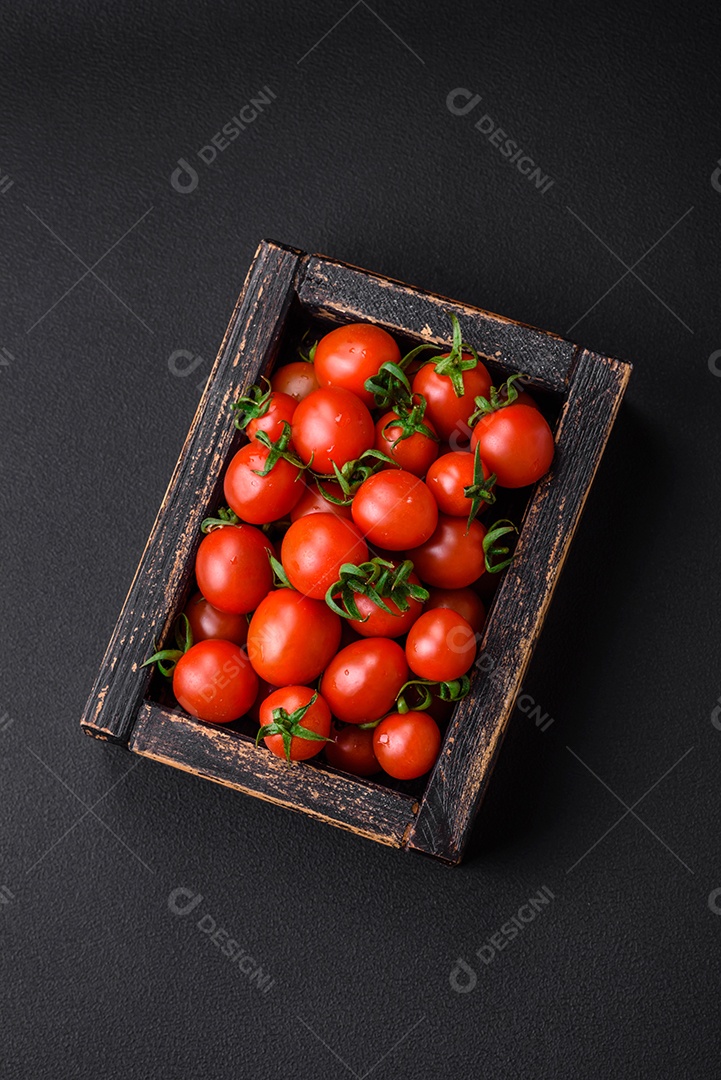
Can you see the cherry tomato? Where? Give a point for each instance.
(207, 622)
(352, 750)
(414, 454)
(316, 718)
(395, 510)
(233, 569)
(447, 412)
(331, 425)
(214, 681)
(466, 602)
(314, 549)
(280, 410)
(362, 682)
(516, 444)
(312, 501)
(260, 499)
(378, 623)
(451, 558)
(447, 478)
(441, 645)
(264, 690)
(296, 379)
(350, 354)
(291, 638)
(407, 744)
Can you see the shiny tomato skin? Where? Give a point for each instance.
(214, 681)
(449, 414)
(395, 510)
(516, 443)
(331, 425)
(317, 719)
(466, 602)
(281, 408)
(350, 354)
(378, 623)
(232, 568)
(296, 379)
(441, 645)
(451, 558)
(291, 638)
(352, 750)
(447, 478)
(314, 549)
(261, 499)
(414, 454)
(407, 744)
(362, 682)
(208, 622)
(312, 501)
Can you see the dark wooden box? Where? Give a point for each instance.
(283, 288)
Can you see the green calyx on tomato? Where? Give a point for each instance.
(288, 724)
(277, 450)
(410, 420)
(494, 552)
(377, 579)
(226, 516)
(306, 352)
(251, 405)
(480, 491)
(462, 357)
(499, 397)
(166, 659)
(280, 578)
(351, 475)
(424, 689)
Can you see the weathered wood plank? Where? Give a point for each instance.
(233, 760)
(341, 292)
(461, 775)
(249, 346)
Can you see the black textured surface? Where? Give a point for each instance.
(358, 156)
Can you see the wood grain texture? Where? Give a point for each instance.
(233, 760)
(152, 603)
(461, 775)
(344, 293)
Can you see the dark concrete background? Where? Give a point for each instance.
(106, 271)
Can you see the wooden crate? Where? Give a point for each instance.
(285, 286)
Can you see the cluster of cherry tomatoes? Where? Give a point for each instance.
(338, 601)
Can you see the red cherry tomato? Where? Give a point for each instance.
(260, 499)
(312, 501)
(214, 681)
(440, 645)
(280, 410)
(207, 622)
(296, 379)
(395, 510)
(414, 454)
(314, 549)
(331, 425)
(352, 750)
(407, 744)
(466, 602)
(516, 444)
(362, 682)
(378, 623)
(447, 478)
(291, 638)
(451, 558)
(448, 413)
(233, 569)
(350, 354)
(316, 718)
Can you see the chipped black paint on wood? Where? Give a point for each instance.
(233, 760)
(344, 293)
(461, 775)
(117, 709)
